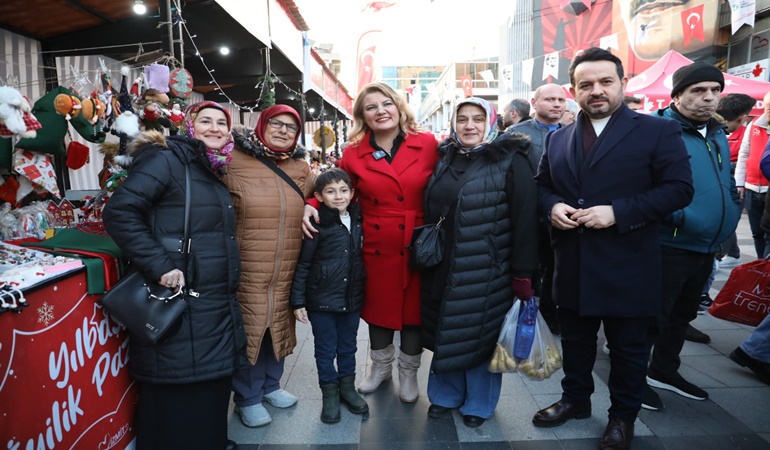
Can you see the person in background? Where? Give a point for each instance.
(605, 182)
(570, 113)
(549, 104)
(517, 110)
(691, 235)
(328, 289)
(735, 110)
(389, 161)
(752, 185)
(184, 379)
(465, 298)
(269, 180)
(633, 103)
(754, 353)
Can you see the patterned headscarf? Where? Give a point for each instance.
(219, 158)
(490, 128)
(259, 131)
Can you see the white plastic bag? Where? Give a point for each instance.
(544, 358)
(502, 359)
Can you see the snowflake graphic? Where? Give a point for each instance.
(45, 313)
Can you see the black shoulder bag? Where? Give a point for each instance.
(148, 309)
(426, 250)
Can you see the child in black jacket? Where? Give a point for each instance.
(328, 289)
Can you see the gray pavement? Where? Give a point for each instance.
(736, 415)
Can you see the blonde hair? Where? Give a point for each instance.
(407, 120)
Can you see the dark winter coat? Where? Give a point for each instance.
(640, 167)
(491, 235)
(536, 133)
(330, 273)
(145, 217)
(714, 211)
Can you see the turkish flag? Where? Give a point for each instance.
(467, 85)
(366, 66)
(692, 24)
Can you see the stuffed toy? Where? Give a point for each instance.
(13, 105)
(153, 112)
(68, 105)
(92, 109)
(176, 115)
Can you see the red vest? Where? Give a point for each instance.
(758, 141)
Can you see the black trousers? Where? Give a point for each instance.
(183, 416)
(629, 349)
(684, 275)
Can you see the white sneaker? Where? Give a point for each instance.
(280, 399)
(728, 262)
(254, 416)
(605, 348)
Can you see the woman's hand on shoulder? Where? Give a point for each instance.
(307, 226)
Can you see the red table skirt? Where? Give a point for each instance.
(64, 379)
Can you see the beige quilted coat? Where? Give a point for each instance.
(269, 219)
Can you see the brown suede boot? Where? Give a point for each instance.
(381, 369)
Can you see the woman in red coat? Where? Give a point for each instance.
(389, 161)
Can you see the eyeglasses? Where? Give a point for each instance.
(277, 125)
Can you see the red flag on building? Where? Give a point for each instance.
(692, 24)
(367, 45)
(467, 86)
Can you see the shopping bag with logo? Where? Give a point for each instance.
(745, 298)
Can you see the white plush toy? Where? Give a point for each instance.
(13, 105)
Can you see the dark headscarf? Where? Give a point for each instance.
(259, 131)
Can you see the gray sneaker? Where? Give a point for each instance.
(280, 399)
(254, 416)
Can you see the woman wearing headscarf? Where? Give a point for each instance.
(269, 181)
(184, 380)
(484, 188)
(389, 161)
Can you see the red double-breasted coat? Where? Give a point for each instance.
(391, 202)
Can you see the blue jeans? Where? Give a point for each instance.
(758, 344)
(755, 204)
(475, 391)
(264, 377)
(684, 275)
(334, 337)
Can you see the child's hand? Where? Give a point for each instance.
(301, 315)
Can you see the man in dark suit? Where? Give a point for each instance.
(605, 182)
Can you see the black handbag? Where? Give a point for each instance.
(426, 250)
(427, 247)
(148, 309)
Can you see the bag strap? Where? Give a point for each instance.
(187, 203)
(274, 167)
(459, 185)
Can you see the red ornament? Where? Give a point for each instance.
(181, 83)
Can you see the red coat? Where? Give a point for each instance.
(391, 198)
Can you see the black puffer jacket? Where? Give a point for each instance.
(491, 235)
(145, 217)
(330, 273)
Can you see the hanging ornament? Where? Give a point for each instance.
(181, 83)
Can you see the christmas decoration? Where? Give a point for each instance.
(181, 83)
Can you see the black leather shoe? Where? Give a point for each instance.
(439, 412)
(560, 412)
(695, 335)
(617, 436)
(473, 421)
(231, 445)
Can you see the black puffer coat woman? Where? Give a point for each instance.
(184, 379)
(490, 254)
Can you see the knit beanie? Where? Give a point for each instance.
(693, 74)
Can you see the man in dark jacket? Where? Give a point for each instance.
(691, 235)
(605, 182)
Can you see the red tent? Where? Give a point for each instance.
(653, 85)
